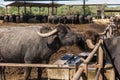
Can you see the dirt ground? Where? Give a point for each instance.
(17, 73)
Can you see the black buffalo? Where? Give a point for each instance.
(89, 36)
(111, 48)
(33, 45)
(54, 19)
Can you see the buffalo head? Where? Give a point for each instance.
(88, 40)
(26, 45)
(62, 33)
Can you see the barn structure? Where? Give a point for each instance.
(54, 6)
(25, 4)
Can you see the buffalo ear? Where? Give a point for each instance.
(52, 39)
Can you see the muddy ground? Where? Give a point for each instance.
(17, 73)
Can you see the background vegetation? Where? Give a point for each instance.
(63, 10)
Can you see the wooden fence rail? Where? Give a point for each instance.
(36, 65)
(85, 63)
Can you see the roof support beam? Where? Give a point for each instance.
(24, 7)
(52, 7)
(18, 10)
(48, 10)
(84, 8)
(30, 9)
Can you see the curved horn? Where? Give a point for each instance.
(47, 34)
(90, 44)
(103, 33)
(110, 31)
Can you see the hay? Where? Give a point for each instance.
(101, 21)
(1, 21)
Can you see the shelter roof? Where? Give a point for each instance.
(30, 4)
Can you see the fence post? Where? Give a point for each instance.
(86, 71)
(100, 61)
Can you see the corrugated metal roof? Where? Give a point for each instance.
(34, 4)
(78, 2)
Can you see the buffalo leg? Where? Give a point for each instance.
(27, 72)
(41, 69)
(39, 73)
(2, 73)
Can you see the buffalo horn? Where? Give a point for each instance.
(47, 34)
(90, 44)
(103, 33)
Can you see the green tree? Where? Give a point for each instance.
(2, 10)
(13, 10)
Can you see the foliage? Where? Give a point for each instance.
(13, 10)
(63, 10)
(2, 11)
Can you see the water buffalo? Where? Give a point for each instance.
(54, 19)
(88, 37)
(92, 36)
(33, 45)
(110, 48)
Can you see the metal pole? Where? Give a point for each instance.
(56, 11)
(6, 10)
(40, 10)
(52, 7)
(24, 7)
(18, 10)
(69, 10)
(30, 10)
(48, 11)
(84, 8)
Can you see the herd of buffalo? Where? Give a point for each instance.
(55, 19)
(37, 44)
